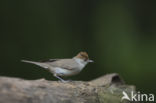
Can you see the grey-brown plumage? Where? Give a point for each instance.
(64, 63)
(64, 67)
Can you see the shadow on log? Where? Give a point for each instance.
(106, 89)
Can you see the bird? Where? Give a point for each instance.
(64, 67)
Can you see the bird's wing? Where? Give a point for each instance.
(49, 60)
(64, 63)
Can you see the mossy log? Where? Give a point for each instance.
(105, 89)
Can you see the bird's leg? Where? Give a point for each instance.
(59, 78)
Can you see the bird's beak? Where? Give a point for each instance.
(90, 61)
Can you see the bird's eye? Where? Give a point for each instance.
(86, 59)
(82, 55)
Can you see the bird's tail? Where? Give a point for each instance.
(27, 61)
(36, 63)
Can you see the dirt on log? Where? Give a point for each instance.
(106, 89)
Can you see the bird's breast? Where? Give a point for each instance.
(81, 63)
(65, 72)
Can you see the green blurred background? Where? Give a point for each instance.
(120, 36)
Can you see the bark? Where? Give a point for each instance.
(106, 89)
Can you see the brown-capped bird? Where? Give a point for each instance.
(64, 67)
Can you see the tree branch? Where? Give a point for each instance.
(106, 89)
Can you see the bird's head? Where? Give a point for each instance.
(83, 56)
